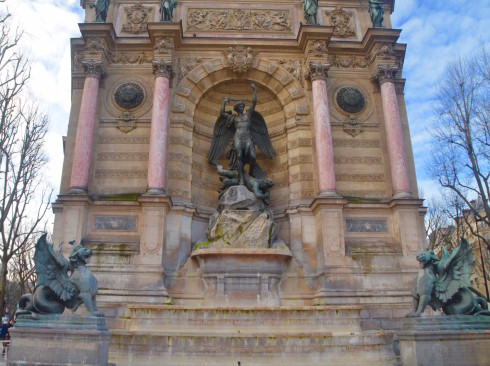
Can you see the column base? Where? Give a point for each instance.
(156, 192)
(328, 193)
(399, 195)
(77, 190)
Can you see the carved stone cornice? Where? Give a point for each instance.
(94, 68)
(384, 73)
(162, 68)
(318, 70)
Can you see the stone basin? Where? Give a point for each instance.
(242, 276)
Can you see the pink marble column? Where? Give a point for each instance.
(82, 155)
(394, 133)
(323, 132)
(159, 128)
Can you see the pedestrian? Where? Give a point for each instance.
(4, 334)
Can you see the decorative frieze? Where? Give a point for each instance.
(122, 156)
(115, 223)
(370, 160)
(120, 173)
(137, 17)
(124, 140)
(294, 67)
(341, 22)
(356, 143)
(239, 20)
(348, 61)
(361, 177)
(366, 225)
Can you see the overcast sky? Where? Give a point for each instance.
(436, 31)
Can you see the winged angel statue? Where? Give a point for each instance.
(245, 130)
(55, 289)
(445, 283)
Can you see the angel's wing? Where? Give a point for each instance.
(51, 268)
(454, 271)
(260, 135)
(222, 133)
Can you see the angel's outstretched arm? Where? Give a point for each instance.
(223, 105)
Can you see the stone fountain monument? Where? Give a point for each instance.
(242, 261)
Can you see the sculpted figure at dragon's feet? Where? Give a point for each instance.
(56, 289)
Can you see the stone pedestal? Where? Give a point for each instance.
(445, 341)
(242, 277)
(59, 340)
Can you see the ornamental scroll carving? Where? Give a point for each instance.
(239, 19)
(137, 18)
(342, 23)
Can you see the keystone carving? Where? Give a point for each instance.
(239, 58)
(342, 23)
(239, 19)
(137, 18)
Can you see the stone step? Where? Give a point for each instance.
(360, 349)
(336, 319)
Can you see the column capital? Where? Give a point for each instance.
(94, 68)
(318, 70)
(162, 68)
(384, 73)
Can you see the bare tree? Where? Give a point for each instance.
(24, 198)
(460, 159)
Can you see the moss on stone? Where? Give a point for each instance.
(120, 197)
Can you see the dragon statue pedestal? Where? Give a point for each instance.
(59, 340)
(445, 340)
(242, 262)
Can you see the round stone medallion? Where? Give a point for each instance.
(350, 100)
(129, 95)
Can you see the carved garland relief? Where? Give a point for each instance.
(239, 19)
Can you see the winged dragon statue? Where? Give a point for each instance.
(444, 283)
(61, 283)
(245, 130)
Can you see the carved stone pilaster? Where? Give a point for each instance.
(318, 70)
(94, 68)
(384, 73)
(162, 68)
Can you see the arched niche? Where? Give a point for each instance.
(195, 108)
